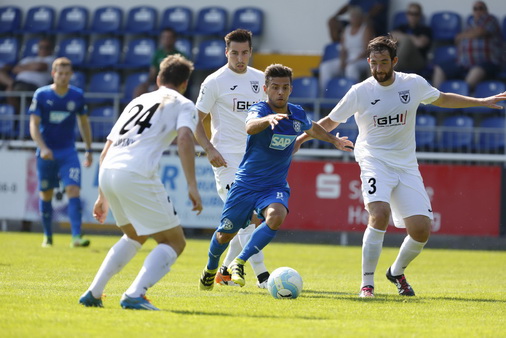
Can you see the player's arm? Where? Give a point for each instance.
(186, 150)
(213, 155)
(341, 143)
(452, 100)
(326, 123)
(85, 129)
(256, 125)
(101, 206)
(45, 152)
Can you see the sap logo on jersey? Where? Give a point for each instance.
(280, 142)
(58, 116)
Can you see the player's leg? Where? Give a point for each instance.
(70, 175)
(234, 248)
(48, 180)
(411, 209)
(257, 260)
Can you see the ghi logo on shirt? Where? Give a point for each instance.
(281, 142)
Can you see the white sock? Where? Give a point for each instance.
(118, 256)
(409, 250)
(372, 243)
(234, 249)
(156, 265)
(257, 260)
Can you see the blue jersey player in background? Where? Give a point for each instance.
(260, 183)
(53, 114)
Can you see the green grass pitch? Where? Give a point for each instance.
(459, 294)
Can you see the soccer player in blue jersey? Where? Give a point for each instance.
(260, 183)
(53, 114)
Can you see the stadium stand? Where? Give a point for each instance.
(107, 82)
(211, 20)
(78, 79)
(107, 20)
(39, 19)
(330, 51)
(445, 26)
(305, 91)
(131, 82)
(8, 51)
(75, 49)
(105, 52)
(7, 119)
(101, 121)
(10, 19)
(485, 89)
(491, 136)
(210, 55)
(31, 47)
(336, 88)
(185, 46)
(73, 20)
(250, 18)
(142, 20)
(457, 134)
(425, 132)
(450, 86)
(179, 18)
(138, 54)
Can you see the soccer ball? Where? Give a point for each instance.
(284, 282)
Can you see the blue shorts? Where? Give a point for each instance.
(65, 168)
(241, 202)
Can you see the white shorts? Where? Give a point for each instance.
(225, 176)
(402, 189)
(138, 200)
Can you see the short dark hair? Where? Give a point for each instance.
(383, 43)
(239, 35)
(277, 70)
(175, 69)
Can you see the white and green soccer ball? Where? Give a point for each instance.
(284, 282)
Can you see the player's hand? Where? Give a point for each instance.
(46, 154)
(296, 145)
(342, 143)
(275, 118)
(88, 159)
(215, 158)
(100, 210)
(491, 101)
(194, 195)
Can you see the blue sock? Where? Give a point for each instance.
(75, 212)
(262, 236)
(46, 212)
(215, 251)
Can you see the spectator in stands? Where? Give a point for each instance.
(414, 39)
(167, 47)
(376, 12)
(352, 61)
(32, 72)
(53, 113)
(479, 49)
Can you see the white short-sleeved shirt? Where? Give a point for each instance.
(386, 117)
(227, 96)
(147, 126)
(35, 77)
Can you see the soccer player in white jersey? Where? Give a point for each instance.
(129, 183)
(385, 108)
(227, 95)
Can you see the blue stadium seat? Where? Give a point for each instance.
(450, 86)
(185, 46)
(75, 49)
(138, 54)
(330, 51)
(349, 128)
(425, 132)
(211, 55)
(141, 20)
(400, 18)
(250, 18)
(179, 18)
(105, 52)
(8, 51)
(457, 134)
(78, 79)
(492, 134)
(73, 20)
(7, 120)
(445, 26)
(131, 82)
(337, 87)
(444, 54)
(211, 21)
(305, 91)
(107, 20)
(101, 121)
(504, 28)
(10, 19)
(485, 89)
(39, 19)
(107, 82)
(31, 47)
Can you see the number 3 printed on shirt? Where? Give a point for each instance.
(372, 185)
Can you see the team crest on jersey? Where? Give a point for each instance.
(404, 96)
(297, 126)
(227, 224)
(71, 105)
(255, 86)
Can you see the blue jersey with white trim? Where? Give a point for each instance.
(58, 115)
(269, 152)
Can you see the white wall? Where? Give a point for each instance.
(292, 26)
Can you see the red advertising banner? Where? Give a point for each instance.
(326, 196)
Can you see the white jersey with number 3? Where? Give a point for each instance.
(386, 117)
(227, 96)
(146, 128)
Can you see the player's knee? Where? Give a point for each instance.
(224, 237)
